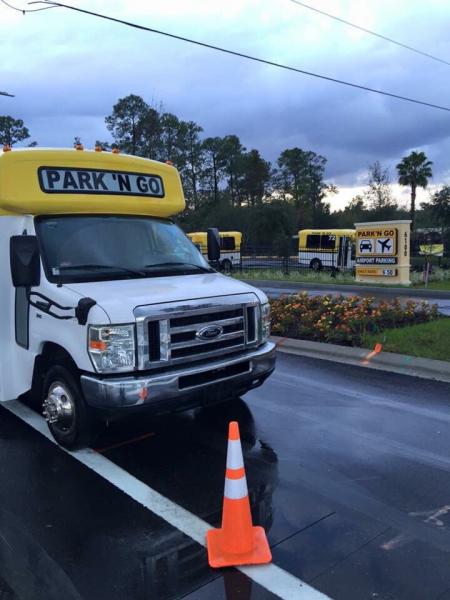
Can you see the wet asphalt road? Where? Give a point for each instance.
(348, 470)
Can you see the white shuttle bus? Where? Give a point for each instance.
(107, 307)
(326, 248)
(230, 247)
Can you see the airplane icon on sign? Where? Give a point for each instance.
(385, 245)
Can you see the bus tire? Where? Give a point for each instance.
(316, 264)
(227, 266)
(63, 400)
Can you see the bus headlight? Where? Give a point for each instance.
(265, 322)
(112, 348)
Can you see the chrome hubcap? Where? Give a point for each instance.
(58, 407)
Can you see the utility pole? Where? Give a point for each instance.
(6, 94)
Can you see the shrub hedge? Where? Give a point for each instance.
(343, 320)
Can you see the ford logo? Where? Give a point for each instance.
(210, 332)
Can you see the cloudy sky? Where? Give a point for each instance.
(67, 70)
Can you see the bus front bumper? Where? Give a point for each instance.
(191, 386)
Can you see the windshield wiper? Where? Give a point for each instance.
(95, 266)
(180, 264)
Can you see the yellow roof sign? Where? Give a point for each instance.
(71, 181)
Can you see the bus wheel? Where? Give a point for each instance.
(65, 410)
(315, 264)
(227, 267)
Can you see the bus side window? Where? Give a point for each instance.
(328, 242)
(227, 243)
(313, 241)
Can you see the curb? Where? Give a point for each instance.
(425, 368)
(367, 289)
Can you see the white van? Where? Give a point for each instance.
(107, 307)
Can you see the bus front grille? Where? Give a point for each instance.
(193, 334)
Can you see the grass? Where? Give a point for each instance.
(427, 340)
(439, 280)
(304, 276)
(435, 285)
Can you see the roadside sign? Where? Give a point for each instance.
(382, 251)
(376, 272)
(385, 246)
(376, 260)
(377, 241)
(365, 246)
(376, 246)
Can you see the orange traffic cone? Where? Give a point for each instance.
(237, 542)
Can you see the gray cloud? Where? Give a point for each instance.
(72, 69)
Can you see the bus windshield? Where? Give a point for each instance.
(80, 248)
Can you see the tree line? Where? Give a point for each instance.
(232, 187)
(219, 174)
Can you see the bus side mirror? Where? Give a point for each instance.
(24, 261)
(213, 244)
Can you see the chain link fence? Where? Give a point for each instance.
(265, 258)
(260, 258)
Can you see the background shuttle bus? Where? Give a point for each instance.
(326, 248)
(107, 307)
(230, 247)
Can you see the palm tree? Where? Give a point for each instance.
(414, 170)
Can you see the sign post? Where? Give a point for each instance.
(382, 252)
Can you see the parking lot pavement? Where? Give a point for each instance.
(67, 533)
(348, 471)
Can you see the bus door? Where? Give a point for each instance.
(345, 253)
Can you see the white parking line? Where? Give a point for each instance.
(273, 578)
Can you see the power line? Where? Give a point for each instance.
(378, 35)
(239, 54)
(22, 10)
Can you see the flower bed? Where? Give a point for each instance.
(343, 320)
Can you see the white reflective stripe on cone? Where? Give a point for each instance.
(235, 459)
(235, 489)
